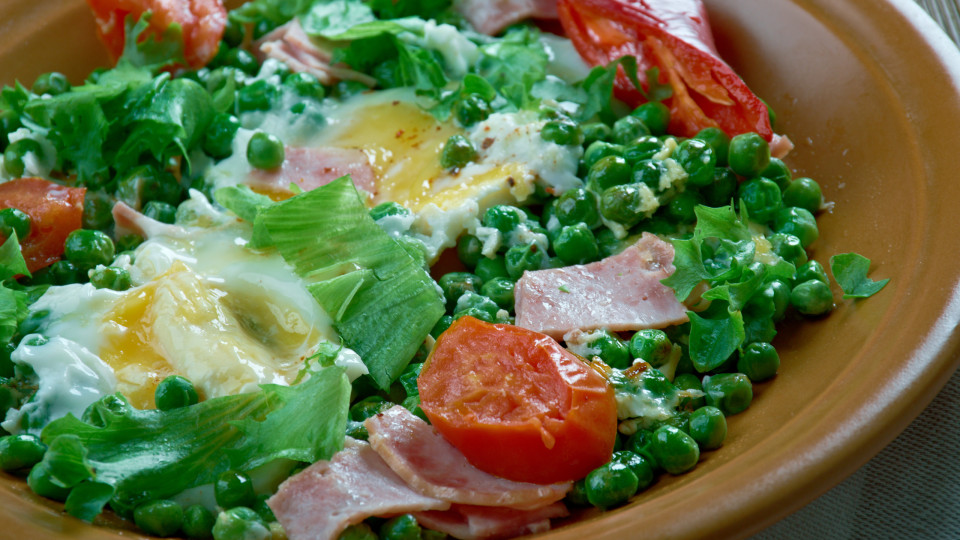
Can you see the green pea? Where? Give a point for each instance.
(641, 443)
(97, 210)
(218, 138)
(175, 392)
(476, 313)
(471, 109)
(608, 243)
(682, 208)
(52, 83)
(14, 220)
(15, 153)
(749, 154)
(612, 350)
(718, 140)
(698, 160)
(469, 249)
(599, 150)
(649, 172)
(812, 270)
(562, 132)
(708, 427)
(242, 60)
(265, 151)
(655, 115)
(240, 523)
(577, 206)
(607, 172)
(622, 204)
(758, 329)
(457, 152)
(87, 248)
(161, 518)
(471, 301)
(304, 85)
(732, 393)
(611, 485)
(642, 467)
(777, 171)
(759, 361)
(812, 297)
(110, 277)
(576, 244)
(643, 148)
(402, 527)
(360, 531)
(258, 96)
(500, 290)
(798, 222)
(504, 218)
(721, 191)
(595, 131)
(20, 452)
(441, 326)
(488, 268)
(652, 346)
(577, 495)
(454, 284)
(689, 381)
(781, 298)
(160, 211)
(128, 242)
(198, 522)
(675, 451)
(761, 197)
(629, 129)
(41, 482)
(148, 183)
(522, 258)
(804, 193)
(387, 209)
(234, 488)
(788, 248)
(263, 510)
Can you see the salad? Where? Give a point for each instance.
(399, 269)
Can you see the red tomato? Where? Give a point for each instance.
(55, 211)
(673, 35)
(202, 22)
(517, 404)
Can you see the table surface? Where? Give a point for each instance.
(911, 489)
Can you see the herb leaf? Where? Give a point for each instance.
(713, 340)
(850, 270)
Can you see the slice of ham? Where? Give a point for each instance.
(491, 16)
(292, 46)
(129, 221)
(475, 522)
(432, 466)
(780, 146)
(621, 292)
(311, 168)
(328, 496)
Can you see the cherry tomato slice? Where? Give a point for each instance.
(517, 404)
(55, 211)
(202, 21)
(675, 36)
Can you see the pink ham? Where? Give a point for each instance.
(292, 46)
(329, 496)
(622, 292)
(780, 146)
(475, 522)
(129, 221)
(311, 168)
(491, 16)
(432, 466)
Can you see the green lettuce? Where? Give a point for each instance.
(850, 270)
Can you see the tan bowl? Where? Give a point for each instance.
(870, 92)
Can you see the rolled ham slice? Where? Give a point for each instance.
(311, 168)
(475, 522)
(621, 292)
(491, 16)
(328, 496)
(433, 467)
(292, 46)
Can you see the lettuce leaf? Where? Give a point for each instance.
(145, 455)
(850, 270)
(714, 339)
(382, 301)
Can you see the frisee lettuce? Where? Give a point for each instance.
(144, 455)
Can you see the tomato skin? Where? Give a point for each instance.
(55, 211)
(202, 21)
(675, 36)
(517, 404)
